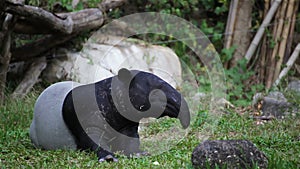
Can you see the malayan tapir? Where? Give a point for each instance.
(104, 116)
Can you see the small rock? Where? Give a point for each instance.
(294, 86)
(199, 96)
(156, 163)
(228, 154)
(277, 95)
(256, 99)
(275, 104)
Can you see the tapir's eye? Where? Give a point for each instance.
(141, 107)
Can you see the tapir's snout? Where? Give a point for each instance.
(177, 107)
(184, 114)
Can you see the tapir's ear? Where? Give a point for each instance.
(124, 75)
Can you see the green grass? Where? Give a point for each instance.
(278, 139)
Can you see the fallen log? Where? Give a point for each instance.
(82, 20)
(31, 78)
(34, 49)
(58, 29)
(35, 20)
(43, 17)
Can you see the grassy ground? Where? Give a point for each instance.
(279, 140)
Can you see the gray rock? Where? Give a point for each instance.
(256, 99)
(229, 154)
(48, 129)
(294, 86)
(276, 105)
(277, 96)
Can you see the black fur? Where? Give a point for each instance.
(93, 106)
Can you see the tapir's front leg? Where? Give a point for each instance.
(128, 142)
(83, 141)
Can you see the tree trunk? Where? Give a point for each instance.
(253, 46)
(241, 38)
(31, 78)
(5, 54)
(277, 31)
(284, 36)
(264, 48)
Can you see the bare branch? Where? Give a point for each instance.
(34, 49)
(289, 64)
(230, 23)
(5, 54)
(31, 78)
(83, 20)
(38, 21)
(261, 29)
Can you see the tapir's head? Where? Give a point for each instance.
(149, 94)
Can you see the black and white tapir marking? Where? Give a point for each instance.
(104, 116)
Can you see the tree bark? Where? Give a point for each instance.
(83, 20)
(58, 28)
(43, 17)
(230, 23)
(261, 30)
(62, 27)
(5, 54)
(289, 64)
(34, 49)
(241, 38)
(35, 20)
(284, 36)
(291, 34)
(277, 31)
(86, 19)
(31, 78)
(264, 48)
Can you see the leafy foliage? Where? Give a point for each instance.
(67, 4)
(239, 92)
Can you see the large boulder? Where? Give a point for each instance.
(233, 154)
(103, 55)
